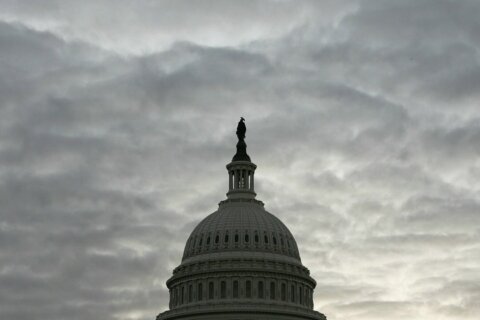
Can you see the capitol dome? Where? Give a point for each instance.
(241, 226)
(241, 262)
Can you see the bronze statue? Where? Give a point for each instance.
(241, 154)
(241, 129)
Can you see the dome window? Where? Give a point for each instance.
(266, 239)
(200, 292)
(236, 238)
(292, 292)
(274, 240)
(246, 238)
(226, 238)
(210, 290)
(190, 293)
(248, 289)
(260, 289)
(208, 240)
(272, 290)
(223, 290)
(283, 293)
(217, 239)
(256, 238)
(235, 288)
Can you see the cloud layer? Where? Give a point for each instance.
(117, 121)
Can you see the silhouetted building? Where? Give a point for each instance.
(241, 262)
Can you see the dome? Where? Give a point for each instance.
(241, 226)
(241, 262)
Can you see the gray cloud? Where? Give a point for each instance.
(116, 126)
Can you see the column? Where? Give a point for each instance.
(251, 181)
(244, 178)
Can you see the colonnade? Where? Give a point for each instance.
(241, 179)
(230, 288)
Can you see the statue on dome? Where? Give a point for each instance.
(241, 154)
(241, 129)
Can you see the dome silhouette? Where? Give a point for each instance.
(241, 262)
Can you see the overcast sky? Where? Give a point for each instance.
(117, 119)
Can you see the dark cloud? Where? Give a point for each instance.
(117, 122)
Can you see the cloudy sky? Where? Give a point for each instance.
(117, 119)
